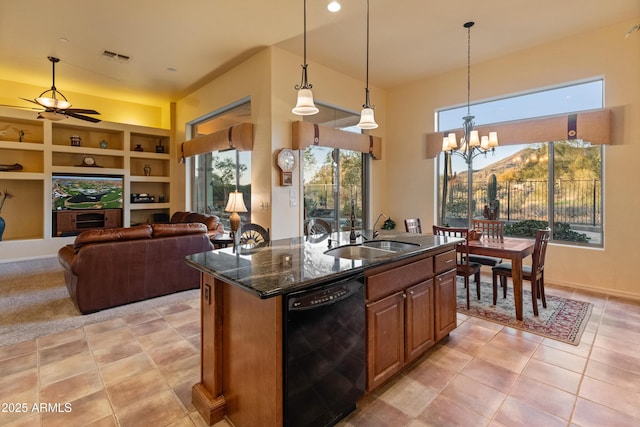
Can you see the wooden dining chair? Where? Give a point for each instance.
(412, 225)
(491, 229)
(464, 267)
(252, 235)
(533, 273)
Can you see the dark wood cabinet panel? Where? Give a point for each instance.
(72, 222)
(445, 309)
(419, 327)
(385, 339)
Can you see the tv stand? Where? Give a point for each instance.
(72, 222)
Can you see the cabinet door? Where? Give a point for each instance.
(419, 332)
(112, 219)
(445, 303)
(385, 339)
(65, 222)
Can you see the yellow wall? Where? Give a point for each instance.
(605, 53)
(111, 110)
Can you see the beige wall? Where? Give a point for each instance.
(605, 53)
(268, 78)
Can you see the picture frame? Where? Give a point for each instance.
(286, 178)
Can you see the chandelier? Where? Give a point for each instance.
(471, 144)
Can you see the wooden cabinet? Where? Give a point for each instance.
(408, 311)
(385, 338)
(69, 223)
(419, 332)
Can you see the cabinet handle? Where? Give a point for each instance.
(449, 261)
(404, 296)
(411, 292)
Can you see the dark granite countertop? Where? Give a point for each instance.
(288, 265)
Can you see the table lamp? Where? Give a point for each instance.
(235, 205)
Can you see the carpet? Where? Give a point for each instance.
(563, 320)
(34, 301)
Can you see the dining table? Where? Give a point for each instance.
(513, 248)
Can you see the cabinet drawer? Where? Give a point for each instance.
(390, 281)
(445, 261)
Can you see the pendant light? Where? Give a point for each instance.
(367, 121)
(305, 105)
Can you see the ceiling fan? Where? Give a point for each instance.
(55, 104)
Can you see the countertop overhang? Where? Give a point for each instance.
(287, 265)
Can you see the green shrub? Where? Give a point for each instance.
(528, 228)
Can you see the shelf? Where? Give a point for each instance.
(143, 206)
(150, 155)
(35, 176)
(34, 146)
(87, 150)
(138, 178)
(82, 170)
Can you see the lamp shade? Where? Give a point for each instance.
(235, 203)
(367, 121)
(305, 105)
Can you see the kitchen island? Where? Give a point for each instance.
(409, 300)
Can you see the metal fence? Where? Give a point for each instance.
(575, 201)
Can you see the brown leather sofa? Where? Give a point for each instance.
(111, 267)
(214, 226)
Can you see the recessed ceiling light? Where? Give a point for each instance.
(63, 40)
(334, 6)
(171, 69)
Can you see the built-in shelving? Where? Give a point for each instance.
(45, 148)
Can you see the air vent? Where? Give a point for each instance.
(114, 56)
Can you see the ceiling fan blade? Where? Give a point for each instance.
(81, 117)
(21, 107)
(31, 100)
(81, 111)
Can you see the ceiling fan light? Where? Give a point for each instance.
(52, 115)
(367, 121)
(53, 103)
(305, 105)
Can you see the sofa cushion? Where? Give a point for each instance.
(179, 217)
(168, 230)
(112, 235)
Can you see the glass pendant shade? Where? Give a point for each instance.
(51, 115)
(484, 143)
(367, 121)
(305, 105)
(474, 140)
(53, 102)
(493, 139)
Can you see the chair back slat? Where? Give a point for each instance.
(540, 251)
(412, 225)
(491, 229)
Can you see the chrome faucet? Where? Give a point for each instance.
(375, 232)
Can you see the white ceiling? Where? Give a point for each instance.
(410, 39)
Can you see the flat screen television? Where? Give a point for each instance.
(87, 192)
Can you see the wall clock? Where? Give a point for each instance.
(286, 163)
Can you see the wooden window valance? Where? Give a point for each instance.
(306, 134)
(589, 126)
(239, 137)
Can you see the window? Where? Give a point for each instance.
(556, 184)
(335, 177)
(214, 175)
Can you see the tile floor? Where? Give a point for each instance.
(138, 371)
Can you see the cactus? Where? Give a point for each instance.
(492, 209)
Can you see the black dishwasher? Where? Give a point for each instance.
(324, 360)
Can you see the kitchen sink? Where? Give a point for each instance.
(370, 250)
(390, 245)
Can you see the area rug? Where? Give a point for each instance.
(563, 320)
(34, 301)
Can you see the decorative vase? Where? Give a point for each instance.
(138, 148)
(103, 144)
(75, 140)
(147, 170)
(2, 224)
